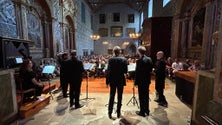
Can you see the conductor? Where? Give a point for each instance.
(117, 67)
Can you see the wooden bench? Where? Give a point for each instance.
(185, 83)
(30, 108)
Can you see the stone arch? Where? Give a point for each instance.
(42, 11)
(69, 38)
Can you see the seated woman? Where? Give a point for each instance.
(29, 78)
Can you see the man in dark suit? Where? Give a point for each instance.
(160, 74)
(117, 68)
(74, 77)
(63, 73)
(142, 80)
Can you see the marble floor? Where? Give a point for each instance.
(94, 111)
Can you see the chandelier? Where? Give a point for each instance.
(94, 37)
(134, 35)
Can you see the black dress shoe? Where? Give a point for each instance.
(78, 106)
(140, 113)
(157, 100)
(118, 114)
(147, 113)
(164, 104)
(110, 115)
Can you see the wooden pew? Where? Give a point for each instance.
(185, 83)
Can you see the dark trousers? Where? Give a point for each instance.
(74, 93)
(159, 86)
(64, 85)
(112, 96)
(38, 90)
(143, 90)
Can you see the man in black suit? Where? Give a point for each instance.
(160, 74)
(63, 73)
(117, 68)
(75, 70)
(142, 80)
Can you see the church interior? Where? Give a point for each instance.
(187, 31)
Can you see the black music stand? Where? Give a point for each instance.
(49, 69)
(87, 67)
(132, 68)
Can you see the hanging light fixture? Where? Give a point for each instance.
(95, 37)
(134, 35)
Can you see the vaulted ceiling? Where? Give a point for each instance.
(134, 4)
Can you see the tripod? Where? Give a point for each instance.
(87, 98)
(133, 99)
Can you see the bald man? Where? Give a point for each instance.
(160, 71)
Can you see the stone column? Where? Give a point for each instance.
(22, 29)
(218, 80)
(209, 48)
(175, 36)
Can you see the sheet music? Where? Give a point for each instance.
(48, 69)
(88, 66)
(131, 67)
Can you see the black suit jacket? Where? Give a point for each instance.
(74, 70)
(143, 69)
(117, 67)
(160, 68)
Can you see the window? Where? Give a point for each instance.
(102, 18)
(131, 18)
(103, 32)
(150, 8)
(83, 15)
(85, 52)
(165, 2)
(116, 17)
(116, 31)
(129, 30)
(91, 22)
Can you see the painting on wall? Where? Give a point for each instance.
(198, 28)
(34, 34)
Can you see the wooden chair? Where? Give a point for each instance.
(19, 89)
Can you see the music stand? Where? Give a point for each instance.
(132, 68)
(87, 67)
(49, 69)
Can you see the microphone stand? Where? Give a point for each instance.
(87, 98)
(133, 99)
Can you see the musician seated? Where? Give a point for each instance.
(29, 79)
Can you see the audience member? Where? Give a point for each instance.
(169, 69)
(99, 67)
(117, 67)
(142, 80)
(176, 65)
(160, 67)
(196, 66)
(187, 64)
